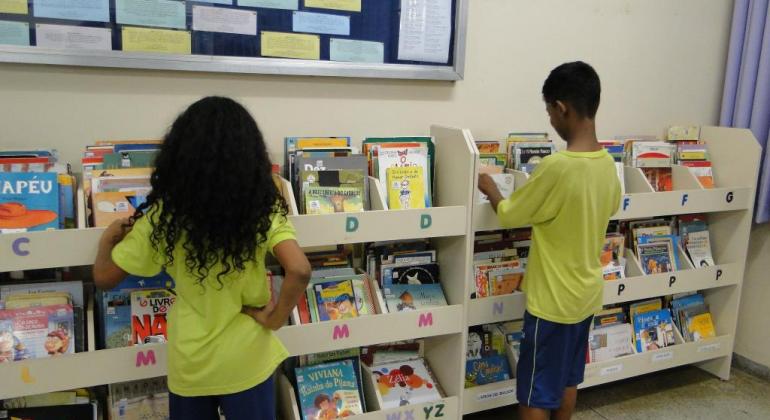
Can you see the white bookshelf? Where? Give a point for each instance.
(735, 156)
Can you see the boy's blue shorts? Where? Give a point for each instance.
(552, 357)
(257, 403)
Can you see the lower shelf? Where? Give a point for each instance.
(490, 396)
(493, 309)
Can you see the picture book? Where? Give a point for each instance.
(702, 170)
(490, 146)
(526, 156)
(292, 144)
(410, 297)
(342, 178)
(609, 342)
(395, 157)
(701, 327)
(613, 257)
(114, 198)
(653, 330)
(505, 279)
(656, 257)
(661, 179)
(683, 132)
(487, 370)
(37, 332)
(29, 201)
(328, 200)
(390, 353)
(328, 391)
(609, 317)
(410, 274)
(405, 383)
(335, 300)
(504, 182)
(651, 154)
(356, 164)
(405, 187)
(364, 297)
(149, 309)
(699, 249)
(643, 307)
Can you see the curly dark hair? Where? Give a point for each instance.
(213, 188)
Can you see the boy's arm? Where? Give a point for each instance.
(106, 273)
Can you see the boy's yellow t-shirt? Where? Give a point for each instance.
(213, 349)
(568, 200)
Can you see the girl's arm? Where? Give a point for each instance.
(106, 273)
(297, 272)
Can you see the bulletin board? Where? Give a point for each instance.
(406, 39)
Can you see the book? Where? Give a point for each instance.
(702, 170)
(683, 132)
(328, 200)
(609, 342)
(504, 182)
(410, 274)
(701, 327)
(37, 332)
(699, 249)
(661, 179)
(139, 400)
(405, 187)
(335, 300)
(29, 201)
(393, 352)
(487, 370)
(656, 257)
(653, 330)
(609, 317)
(410, 297)
(148, 315)
(114, 198)
(404, 383)
(328, 391)
(505, 279)
(345, 179)
(527, 155)
(394, 157)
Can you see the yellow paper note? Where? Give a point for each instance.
(349, 5)
(156, 40)
(18, 7)
(282, 44)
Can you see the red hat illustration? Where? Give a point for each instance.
(17, 216)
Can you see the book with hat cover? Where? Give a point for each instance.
(29, 201)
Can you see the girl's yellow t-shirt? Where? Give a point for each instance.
(213, 349)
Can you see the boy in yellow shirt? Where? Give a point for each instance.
(568, 200)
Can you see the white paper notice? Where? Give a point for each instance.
(425, 30)
(218, 19)
(73, 37)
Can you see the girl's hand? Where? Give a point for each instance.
(264, 316)
(116, 231)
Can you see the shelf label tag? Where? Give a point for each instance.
(340, 332)
(407, 415)
(26, 377)
(719, 274)
(663, 356)
(497, 308)
(621, 288)
(671, 281)
(626, 202)
(684, 198)
(709, 348)
(497, 393)
(729, 197)
(145, 359)
(437, 410)
(425, 221)
(426, 320)
(609, 370)
(16, 246)
(351, 224)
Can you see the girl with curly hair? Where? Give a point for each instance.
(213, 214)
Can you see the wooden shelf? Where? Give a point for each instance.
(496, 309)
(489, 396)
(48, 249)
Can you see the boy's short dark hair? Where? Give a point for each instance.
(577, 84)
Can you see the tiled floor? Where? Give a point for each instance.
(685, 393)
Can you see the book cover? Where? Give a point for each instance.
(609, 317)
(38, 332)
(29, 201)
(487, 370)
(609, 342)
(149, 309)
(699, 249)
(701, 327)
(336, 300)
(404, 383)
(411, 274)
(528, 156)
(702, 170)
(328, 200)
(405, 187)
(410, 297)
(656, 257)
(393, 157)
(661, 179)
(653, 330)
(504, 182)
(505, 279)
(114, 198)
(684, 132)
(328, 391)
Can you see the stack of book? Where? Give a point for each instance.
(692, 153)
(492, 352)
(692, 316)
(611, 336)
(493, 159)
(116, 178)
(404, 382)
(616, 149)
(499, 262)
(694, 236)
(344, 296)
(613, 256)
(655, 159)
(526, 150)
(37, 192)
(145, 399)
(405, 165)
(655, 244)
(653, 325)
(41, 320)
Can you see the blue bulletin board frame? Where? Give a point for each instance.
(220, 52)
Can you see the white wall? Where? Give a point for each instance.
(661, 62)
(753, 337)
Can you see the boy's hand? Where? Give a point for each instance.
(488, 186)
(264, 316)
(116, 231)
